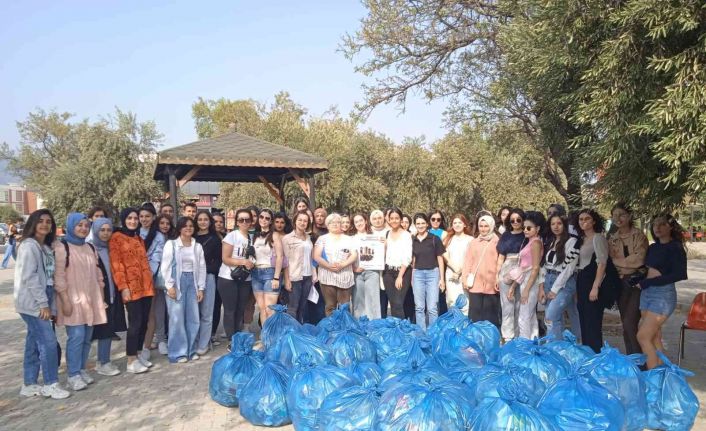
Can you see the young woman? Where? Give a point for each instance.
(366, 294)
(480, 263)
(397, 275)
(102, 229)
(336, 270)
(428, 265)
(666, 265)
(219, 222)
(184, 271)
(79, 284)
(458, 237)
(211, 244)
(300, 204)
(237, 251)
(437, 224)
(378, 228)
(508, 248)
(346, 226)
(297, 248)
(281, 224)
(34, 301)
(266, 276)
(558, 290)
(593, 258)
(503, 214)
(628, 248)
(154, 244)
(10, 249)
(134, 279)
(165, 226)
(406, 223)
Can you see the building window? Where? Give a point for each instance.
(18, 196)
(5, 196)
(20, 207)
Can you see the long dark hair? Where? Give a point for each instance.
(676, 230)
(171, 234)
(561, 239)
(31, 226)
(297, 201)
(499, 217)
(211, 222)
(287, 222)
(442, 226)
(519, 212)
(365, 219)
(154, 228)
(270, 233)
(598, 225)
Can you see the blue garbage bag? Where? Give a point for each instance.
(401, 358)
(292, 344)
(620, 375)
(349, 346)
(425, 405)
(454, 348)
(263, 400)
(390, 338)
(527, 388)
(366, 373)
(485, 335)
(310, 385)
(544, 363)
(577, 402)
(671, 404)
(277, 325)
(310, 329)
(340, 319)
(414, 372)
(510, 410)
(519, 344)
(349, 408)
(364, 322)
(454, 318)
(575, 354)
(232, 371)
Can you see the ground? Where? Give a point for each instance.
(175, 397)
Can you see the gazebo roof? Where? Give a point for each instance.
(234, 157)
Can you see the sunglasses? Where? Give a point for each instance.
(435, 219)
(515, 220)
(243, 220)
(262, 217)
(529, 228)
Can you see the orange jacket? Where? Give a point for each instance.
(129, 265)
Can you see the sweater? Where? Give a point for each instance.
(212, 250)
(669, 259)
(30, 284)
(485, 277)
(129, 265)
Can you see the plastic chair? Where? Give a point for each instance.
(696, 320)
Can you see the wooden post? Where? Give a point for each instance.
(312, 192)
(282, 201)
(173, 192)
(274, 191)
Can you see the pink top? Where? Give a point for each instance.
(526, 254)
(83, 282)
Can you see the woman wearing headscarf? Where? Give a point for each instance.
(102, 230)
(79, 284)
(133, 279)
(480, 275)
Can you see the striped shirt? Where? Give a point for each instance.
(566, 269)
(336, 250)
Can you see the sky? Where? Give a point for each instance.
(155, 58)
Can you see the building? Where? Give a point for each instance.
(24, 201)
(203, 194)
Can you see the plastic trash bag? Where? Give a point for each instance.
(414, 372)
(263, 400)
(578, 403)
(454, 318)
(339, 320)
(350, 345)
(390, 338)
(671, 404)
(277, 325)
(232, 371)
(310, 329)
(292, 344)
(454, 348)
(544, 363)
(485, 335)
(310, 385)
(527, 388)
(620, 375)
(349, 409)
(425, 405)
(365, 373)
(509, 411)
(402, 358)
(575, 354)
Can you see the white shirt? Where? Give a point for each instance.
(263, 253)
(399, 251)
(307, 268)
(239, 243)
(337, 250)
(458, 245)
(186, 254)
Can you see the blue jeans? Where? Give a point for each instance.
(298, 298)
(183, 320)
(565, 301)
(206, 313)
(262, 281)
(9, 251)
(78, 346)
(425, 286)
(104, 345)
(40, 351)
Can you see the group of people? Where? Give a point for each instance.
(173, 280)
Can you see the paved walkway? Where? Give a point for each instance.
(175, 397)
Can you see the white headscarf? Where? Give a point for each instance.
(491, 222)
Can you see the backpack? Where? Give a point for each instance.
(66, 248)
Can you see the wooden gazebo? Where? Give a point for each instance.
(234, 157)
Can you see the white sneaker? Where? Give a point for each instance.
(182, 360)
(55, 391)
(108, 370)
(145, 354)
(202, 352)
(195, 357)
(76, 383)
(30, 390)
(145, 358)
(162, 348)
(136, 367)
(86, 377)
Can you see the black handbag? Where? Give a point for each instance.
(241, 272)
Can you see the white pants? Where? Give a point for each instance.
(529, 327)
(453, 290)
(510, 309)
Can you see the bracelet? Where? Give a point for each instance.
(276, 278)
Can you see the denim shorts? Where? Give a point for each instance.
(262, 281)
(659, 299)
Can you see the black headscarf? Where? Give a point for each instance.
(123, 216)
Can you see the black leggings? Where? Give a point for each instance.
(395, 296)
(590, 312)
(138, 314)
(234, 295)
(217, 303)
(483, 306)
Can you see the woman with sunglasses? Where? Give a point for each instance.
(666, 265)
(268, 265)
(508, 248)
(428, 264)
(235, 293)
(437, 224)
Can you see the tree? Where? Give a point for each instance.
(8, 213)
(76, 165)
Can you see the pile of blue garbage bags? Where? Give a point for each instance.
(389, 374)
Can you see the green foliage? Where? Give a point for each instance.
(76, 165)
(8, 213)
